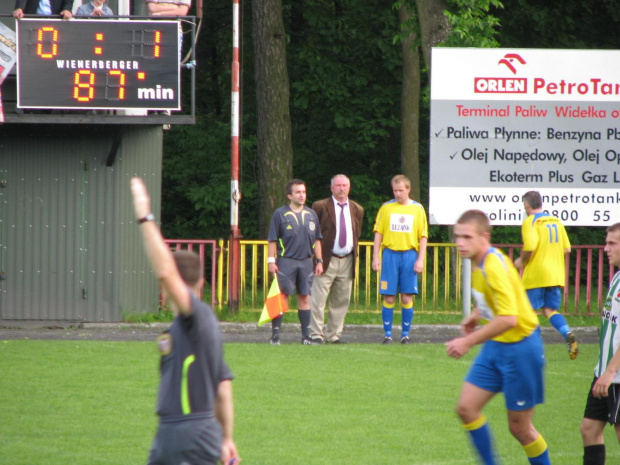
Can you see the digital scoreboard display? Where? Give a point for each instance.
(98, 64)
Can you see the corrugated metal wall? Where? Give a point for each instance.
(140, 155)
(69, 248)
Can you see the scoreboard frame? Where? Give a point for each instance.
(98, 64)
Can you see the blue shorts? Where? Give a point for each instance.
(516, 369)
(547, 297)
(397, 272)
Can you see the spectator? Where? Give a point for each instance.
(341, 223)
(96, 8)
(43, 7)
(168, 7)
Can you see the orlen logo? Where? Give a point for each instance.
(509, 58)
(500, 85)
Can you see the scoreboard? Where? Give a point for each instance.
(97, 64)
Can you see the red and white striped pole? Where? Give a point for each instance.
(234, 270)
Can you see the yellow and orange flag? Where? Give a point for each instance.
(274, 306)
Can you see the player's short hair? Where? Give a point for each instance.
(291, 183)
(479, 218)
(533, 199)
(188, 264)
(401, 179)
(331, 182)
(613, 228)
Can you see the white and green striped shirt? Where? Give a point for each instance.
(610, 336)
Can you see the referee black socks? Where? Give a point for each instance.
(594, 455)
(304, 319)
(276, 323)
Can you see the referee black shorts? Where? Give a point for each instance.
(188, 442)
(603, 409)
(295, 275)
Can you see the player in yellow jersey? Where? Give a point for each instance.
(511, 359)
(399, 251)
(545, 244)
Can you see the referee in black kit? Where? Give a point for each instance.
(294, 239)
(194, 401)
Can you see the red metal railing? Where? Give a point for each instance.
(592, 268)
(204, 248)
(587, 272)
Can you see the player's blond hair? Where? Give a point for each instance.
(479, 218)
(401, 179)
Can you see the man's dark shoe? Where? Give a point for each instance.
(318, 340)
(339, 341)
(308, 342)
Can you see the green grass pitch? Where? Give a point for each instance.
(90, 402)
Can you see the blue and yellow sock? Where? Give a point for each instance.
(537, 452)
(387, 314)
(407, 312)
(480, 435)
(559, 323)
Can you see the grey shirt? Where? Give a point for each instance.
(192, 365)
(294, 233)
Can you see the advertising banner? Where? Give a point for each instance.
(506, 121)
(8, 51)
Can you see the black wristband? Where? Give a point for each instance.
(149, 217)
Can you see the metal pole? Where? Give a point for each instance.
(234, 270)
(466, 286)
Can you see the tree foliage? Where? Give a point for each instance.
(575, 24)
(471, 23)
(345, 72)
(345, 81)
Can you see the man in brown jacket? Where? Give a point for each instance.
(341, 223)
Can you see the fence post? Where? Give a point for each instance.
(466, 287)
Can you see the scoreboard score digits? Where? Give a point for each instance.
(98, 64)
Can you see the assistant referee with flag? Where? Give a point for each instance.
(294, 240)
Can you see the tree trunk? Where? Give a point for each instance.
(274, 145)
(410, 107)
(434, 25)
(434, 28)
